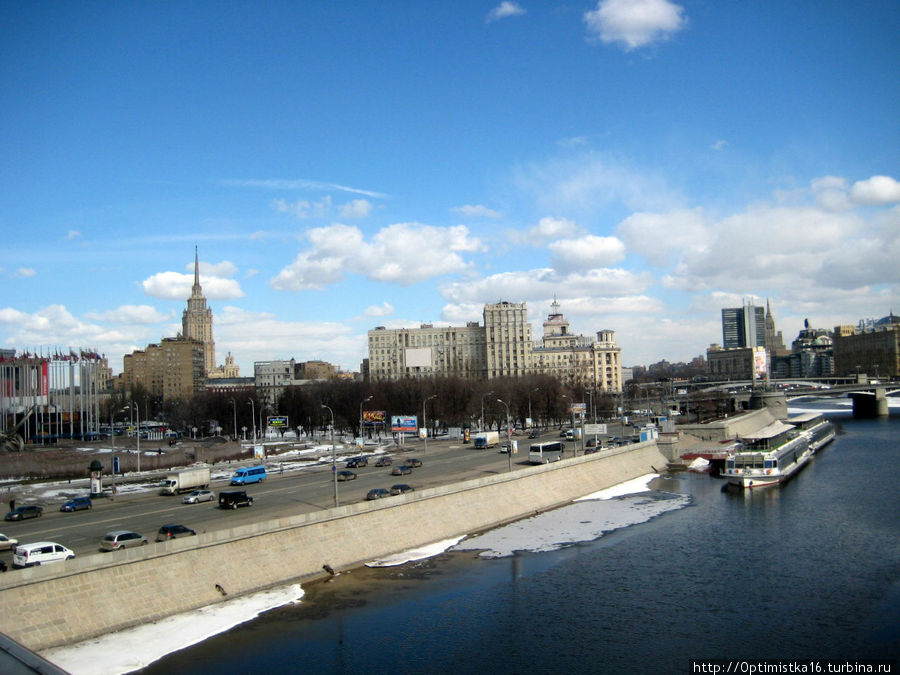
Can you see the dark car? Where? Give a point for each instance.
(384, 460)
(412, 462)
(357, 462)
(401, 470)
(77, 504)
(167, 532)
(534, 433)
(346, 475)
(23, 512)
(400, 488)
(234, 498)
(377, 493)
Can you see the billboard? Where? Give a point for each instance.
(418, 357)
(760, 362)
(404, 423)
(373, 417)
(278, 421)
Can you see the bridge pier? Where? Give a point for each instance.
(775, 401)
(870, 404)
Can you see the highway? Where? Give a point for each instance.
(281, 495)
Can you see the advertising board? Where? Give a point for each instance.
(404, 423)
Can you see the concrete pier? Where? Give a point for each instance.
(870, 403)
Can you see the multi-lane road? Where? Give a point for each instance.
(293, 492)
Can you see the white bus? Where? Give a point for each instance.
(542, 453)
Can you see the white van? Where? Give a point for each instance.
(40, 553)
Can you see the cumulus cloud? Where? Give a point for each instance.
(660, 236)
(877, 190)
(56, 325)
(634, 23)
(403, 253)
(177, 286)
(504, 10)
(476, 211)
(586, 252)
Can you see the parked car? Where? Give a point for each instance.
(401, 470)
(400, 488)
(113, 541)
(346, 475)
(77, 504)
(234, 498)
(384, 460)
(23, 512)
(198, 496)
(6, 543)
(357, 462)
(412, 462)
(40, 553)
(167, 532)
(377, 493)
(534, 433)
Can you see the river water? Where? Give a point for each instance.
(810, 570)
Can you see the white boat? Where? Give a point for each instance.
(767, 457)
(819, 430)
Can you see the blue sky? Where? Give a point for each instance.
(345, 165)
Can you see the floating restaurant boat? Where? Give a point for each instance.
(768, 456)
(819, 430)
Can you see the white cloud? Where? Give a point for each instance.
(877, 190)
(586, 252)
(25, 272)
(661, 236)
(177, 286)
(384, 309)
(300, 184)
(73, 234)
(403, 253)
(476, 211)
(504, 10)
(303, 209)
(719, 145)
(130, 314)
(635, 23)
(357, 208)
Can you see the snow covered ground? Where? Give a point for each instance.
(585, 519)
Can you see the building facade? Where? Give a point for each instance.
(271, 378)
(743, 327)
(871, 347)
(501, 347)
(174, 368)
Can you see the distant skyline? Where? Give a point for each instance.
(346, 165)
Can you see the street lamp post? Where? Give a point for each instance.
(482, 408)
(333, 457)
(112, 439)
(424, 425)
(572, 408)
(362, 438)
(529, 404)
(253, 417)
(234, 410)
(137, 413)
(508, 439)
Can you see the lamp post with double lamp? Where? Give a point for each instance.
(333, 457)
(424, 425)
(482, 408)
(362, 437)
(508, 439)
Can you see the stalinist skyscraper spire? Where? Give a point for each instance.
(197, 320)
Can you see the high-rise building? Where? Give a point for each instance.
(743, 327)
(173, 368)
(197, 320)
(508, 338)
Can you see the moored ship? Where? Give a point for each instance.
(768, 456)
(819, 431)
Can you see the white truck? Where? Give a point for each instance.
(185, 480)
(487, 439)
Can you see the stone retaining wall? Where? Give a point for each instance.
(54, 605)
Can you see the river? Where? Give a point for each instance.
(635, 584)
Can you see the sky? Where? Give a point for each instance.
(342, 166)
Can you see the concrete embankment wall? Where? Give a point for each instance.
(92, 595)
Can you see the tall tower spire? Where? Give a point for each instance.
(197, 319)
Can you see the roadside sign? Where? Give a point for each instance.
(595, 429)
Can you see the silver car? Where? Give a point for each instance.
(7, 543)
(198, 496)
(113, 541)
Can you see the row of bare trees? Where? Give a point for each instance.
(446, 402)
